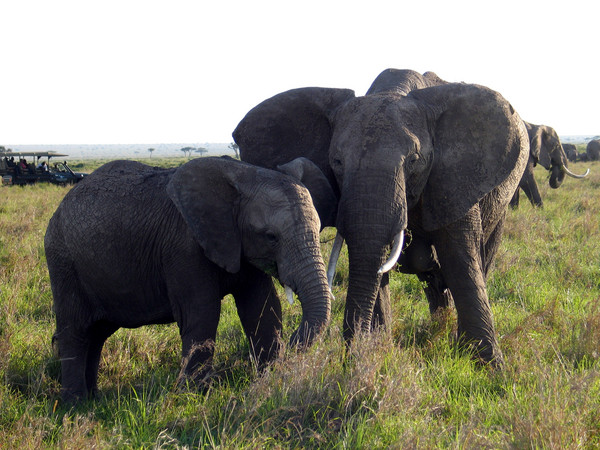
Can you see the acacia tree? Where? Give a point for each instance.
(201, 150)
(236, 149)
(187, 151)
(151, 150)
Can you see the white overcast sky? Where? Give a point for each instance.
(176, 71)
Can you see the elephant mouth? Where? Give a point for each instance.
(267, 266)
(270, 268)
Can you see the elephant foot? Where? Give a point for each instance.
(486, 355)
(71, 397)
(196, 368)
(199, 382)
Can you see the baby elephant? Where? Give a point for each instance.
(133, 245)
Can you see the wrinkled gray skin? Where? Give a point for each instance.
(593, 150)
(547, 151)
(571, 152)
(133, 245)
(545, 145)
(442, 162)
(402, 81)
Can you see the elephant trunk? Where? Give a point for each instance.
(369, 220)
(363, 286)
(558, 172)
(305, 274)
(557, 176)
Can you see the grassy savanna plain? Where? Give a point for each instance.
(408, 388)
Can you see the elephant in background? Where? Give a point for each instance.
(593, 150)
(547, 151)
(571, 152)
(133, 245)
(441, 163)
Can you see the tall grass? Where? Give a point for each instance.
(407, 388)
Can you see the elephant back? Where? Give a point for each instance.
(593, 150)
(291, 124)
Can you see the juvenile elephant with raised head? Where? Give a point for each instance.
(133, 245)
(547, 151)
(442, 162)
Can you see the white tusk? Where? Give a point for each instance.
(289, 294)
(333, 258)
(573, 175)
(394, 255)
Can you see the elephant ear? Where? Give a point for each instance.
(536, 150)
(479, 142)
(205, 193)
(289, 125)
(321, 192)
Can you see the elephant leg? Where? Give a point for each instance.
(514, 201)
(73, 347)
(198, 334)
(530, 187)
(73, 336)
(382, 311)
(492, 245)
(259, 310)
(420, 258)
(195, 294)
(100, 332)
(460, 247)
(436, 291)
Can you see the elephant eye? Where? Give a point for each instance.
(271, 237)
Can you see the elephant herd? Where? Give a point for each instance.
(592, 151)
(133, 245)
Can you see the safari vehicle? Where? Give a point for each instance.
(13, 172)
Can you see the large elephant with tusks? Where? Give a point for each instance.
(546, 151)
(440, 163)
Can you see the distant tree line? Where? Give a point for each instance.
(187, 151)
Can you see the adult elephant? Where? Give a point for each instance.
(402, 81)
(133, 245)
(593, 150)
(442, 162)
(547, 151)
(571, 152)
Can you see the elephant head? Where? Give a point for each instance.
(402, 81)
(238, 211)
(547, 151)
(426, 157)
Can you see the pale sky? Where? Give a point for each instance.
(177, 71)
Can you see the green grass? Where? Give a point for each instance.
(410, 388)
